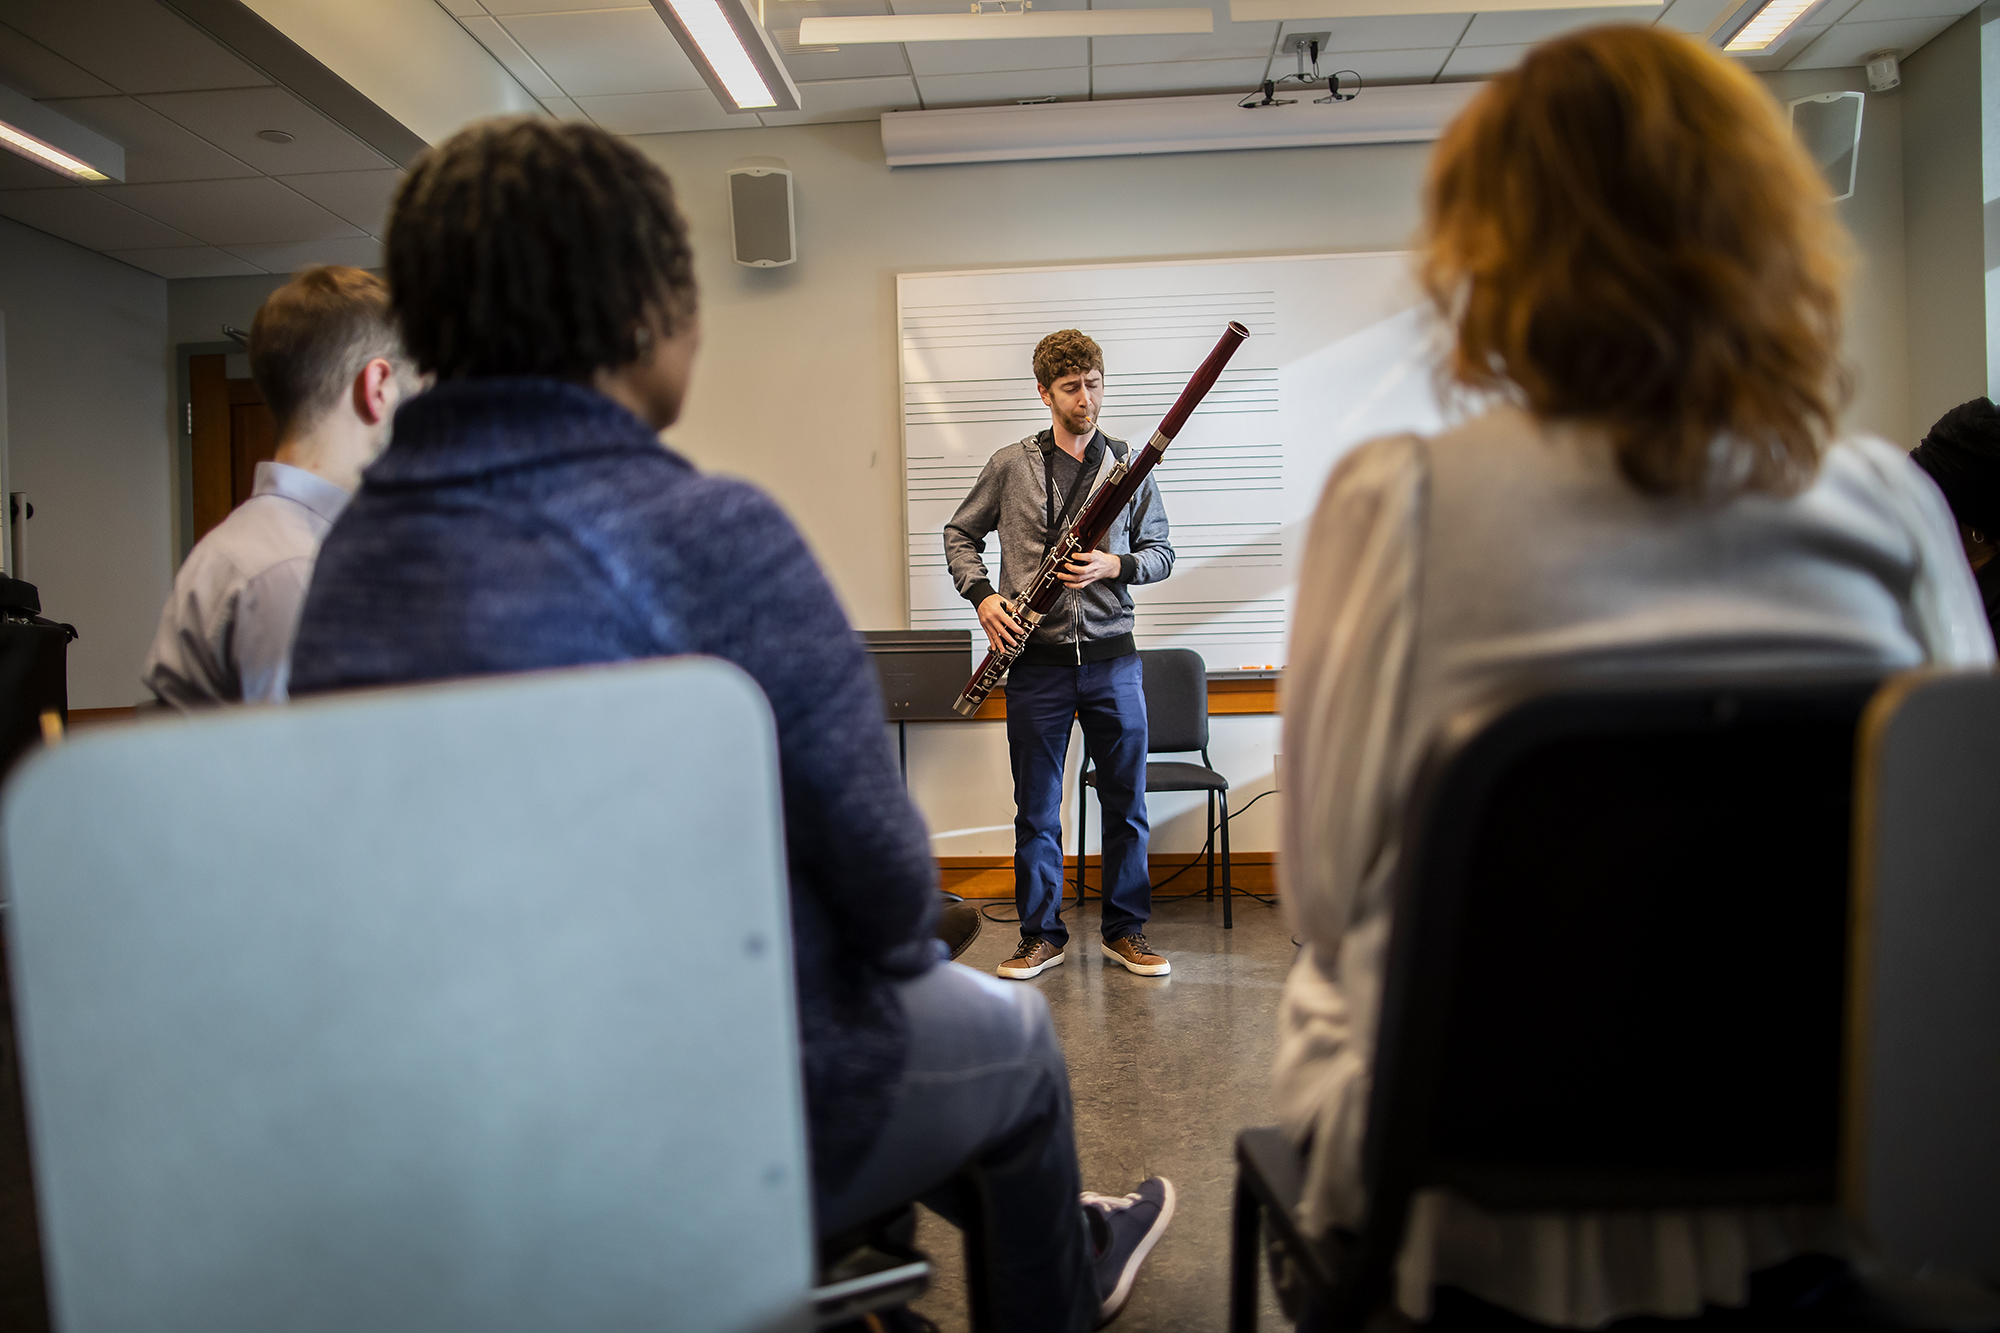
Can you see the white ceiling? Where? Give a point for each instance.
(205, 197)
(618, 66)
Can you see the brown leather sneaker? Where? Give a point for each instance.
(1132, 954)
(1034, 957)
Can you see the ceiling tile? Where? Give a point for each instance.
(460, 8)
(231, 120)
(1378, 67)
(870, 60)
(500, 44)
(88, 218)
(156, 149)
(1476, 62)
(1871, 11)
(1538, 25)
(137, 46)
(971, 89)
(960, 6)
(1693, 15)
(1229, 41)
(20, 173)
(554, 6)
(187, 261)
(360, 197)
(1412, 32)
(290, 256)
(606, 51)
(663, 113)
(233, 213)
(848, 99)
(564, 109)
(32, 69)
(1847, 44)
(993, 57)
(1181, 76)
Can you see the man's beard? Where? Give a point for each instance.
(1079, 423)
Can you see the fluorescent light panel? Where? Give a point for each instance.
(732, 52)
(1769, 25)
(968, 27)
(1252, 11)
(50, 139)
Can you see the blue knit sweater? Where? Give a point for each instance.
(518, 524)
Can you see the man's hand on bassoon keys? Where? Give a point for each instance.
(1087, 567)
(1002, 630)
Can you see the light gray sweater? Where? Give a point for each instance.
(1012, 497)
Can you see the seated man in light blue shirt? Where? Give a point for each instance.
(325, 352)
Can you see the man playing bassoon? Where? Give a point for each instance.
(1081, 662)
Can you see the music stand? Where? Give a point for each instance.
(922, 671)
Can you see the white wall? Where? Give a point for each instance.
(1943, 211)
(90, 440)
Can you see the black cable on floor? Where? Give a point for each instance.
(1199, 857)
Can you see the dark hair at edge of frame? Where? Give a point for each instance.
(527, 247)
(1066, 352)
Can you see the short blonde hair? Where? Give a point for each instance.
(313, 335)
(1624, 232)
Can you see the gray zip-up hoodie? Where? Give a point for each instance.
(1012, 496)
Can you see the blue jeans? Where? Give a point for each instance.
(985, 1082)
(1109, 699)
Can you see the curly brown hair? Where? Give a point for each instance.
(1624, 233)
(1066, 352)
(530, 247)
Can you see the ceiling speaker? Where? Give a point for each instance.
(760, 215)
(1829, 125)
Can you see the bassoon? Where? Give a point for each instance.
(1120, 484)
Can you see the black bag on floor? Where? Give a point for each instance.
(34, 669)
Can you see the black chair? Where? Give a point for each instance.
(1615, 976)
(1176, 723)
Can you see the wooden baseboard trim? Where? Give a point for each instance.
(97, 717)
(993, 876)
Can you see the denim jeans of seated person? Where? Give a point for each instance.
(985, 1081)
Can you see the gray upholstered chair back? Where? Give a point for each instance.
(1923, 1115)
(465, 1007)
(1176, 700)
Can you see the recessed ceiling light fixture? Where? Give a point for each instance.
(1003, 24)
(1758, 27)
(732, 52)
(1768, 25)
(1253, 11)
(52, 140)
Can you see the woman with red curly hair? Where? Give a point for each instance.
(1642, 277)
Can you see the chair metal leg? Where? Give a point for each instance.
(1228, 922)
(1211, 847)
(978, 1233)
(1244, 1234)
(1082, 811)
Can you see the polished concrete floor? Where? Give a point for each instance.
(1164, 1071)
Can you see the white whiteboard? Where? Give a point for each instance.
(1340, 352)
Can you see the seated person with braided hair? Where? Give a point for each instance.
(527, 516)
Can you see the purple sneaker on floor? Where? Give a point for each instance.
(1124, 1231)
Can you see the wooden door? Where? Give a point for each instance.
(233, 431)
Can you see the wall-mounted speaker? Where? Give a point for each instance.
(1829, 125)
(761, 221)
